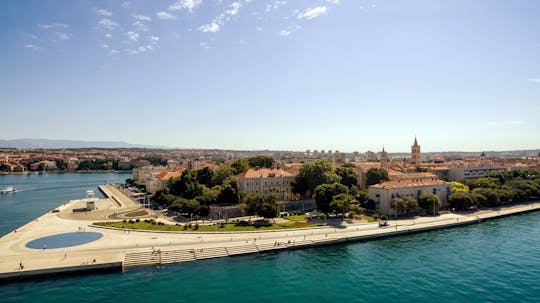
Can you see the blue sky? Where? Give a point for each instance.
(346, 75)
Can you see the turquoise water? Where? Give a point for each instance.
(495, 261)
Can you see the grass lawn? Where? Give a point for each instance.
(216, 227)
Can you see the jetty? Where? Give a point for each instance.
(44, 246)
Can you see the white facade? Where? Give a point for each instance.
(459, 173)
(384, 193)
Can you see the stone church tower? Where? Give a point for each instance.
(415, 153)
(384, 159)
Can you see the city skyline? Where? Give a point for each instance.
(277, 75)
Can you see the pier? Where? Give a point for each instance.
(117, 249)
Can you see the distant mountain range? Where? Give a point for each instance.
(51, 144)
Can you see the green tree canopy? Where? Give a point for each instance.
(459, 187)
(239, 166)
(186, 185)
(376, 175)
(205, 176)
(266, 207)
(324, 194)
(261, 161)
(405, 204)
(221, 173)
(461, 200)
(313, 174)
(348, 176)
(229, 192)
(341, 203)
(429, 203)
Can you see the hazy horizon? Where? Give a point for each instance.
(343, 75)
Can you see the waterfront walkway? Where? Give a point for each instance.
(118, 248)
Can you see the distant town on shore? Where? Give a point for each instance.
(214, 182)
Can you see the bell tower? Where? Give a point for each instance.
(415, 153)
(384, 158)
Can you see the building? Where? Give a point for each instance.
(459, 173)
(384, 159)
(266, 181)
(384, 193)
(157, 182)
(415, 153)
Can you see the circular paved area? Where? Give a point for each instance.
(64, 240)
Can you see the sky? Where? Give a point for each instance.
(347, 75)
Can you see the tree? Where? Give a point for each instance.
(459, 187)
(461, 200)
(429, 203)
(324, 194)
(239, 166)
(205, 176)
(261, 161)
(252, 203)
(348, 176)
(222, 172)
(229, 191)
(405, 204)
(313, 174)
(186, 185)
(185, 206)
(269, 208)
(376, 175)
(491, 198)
(265, 207)
(341, 203)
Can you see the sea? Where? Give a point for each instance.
(494, 261)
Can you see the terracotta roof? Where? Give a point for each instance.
(166, 175)
(409, 183)
(411, 176)
(265, 173)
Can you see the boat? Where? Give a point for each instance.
(9, 190)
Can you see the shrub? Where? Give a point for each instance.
(322, 216)
(196, 226)
(137, 220)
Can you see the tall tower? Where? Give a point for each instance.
(384, 158)
(415, 152)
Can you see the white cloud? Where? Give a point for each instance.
(103, 12)
(140, 25)
(108, 36)
(534, 80)
(104, 46)
(165, 16)
(284, 33)
(114, 52)
(210, 27)
(335, 2)
(153, 38)
(190, 5)
(142, 18)
(52, 25)
(62, 36)
(311, 13)
(215, 25)
(133, 36)
(275, 5)
(33, 47)
(107, 24)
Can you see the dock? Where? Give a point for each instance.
(118, 249)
